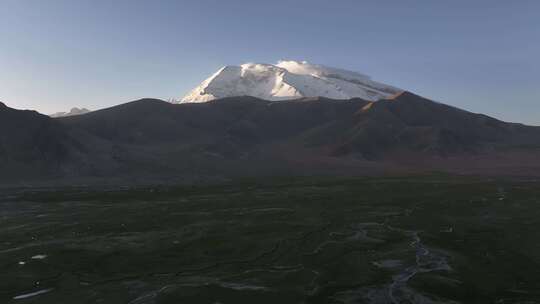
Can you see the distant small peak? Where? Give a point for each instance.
(73, 112)
(3, 105)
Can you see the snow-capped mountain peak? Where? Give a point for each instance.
(72, 112)
(288, 80)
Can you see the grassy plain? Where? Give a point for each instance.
(378, 240)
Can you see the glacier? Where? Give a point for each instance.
(288, 79)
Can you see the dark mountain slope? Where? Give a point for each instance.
(242, 136)
(32, 143)
(411, 123)
(158, 121)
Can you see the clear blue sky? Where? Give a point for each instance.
(482, 56)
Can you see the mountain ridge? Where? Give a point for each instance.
(152, 139)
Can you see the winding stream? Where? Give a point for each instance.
(426, 261)
(398, 291)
